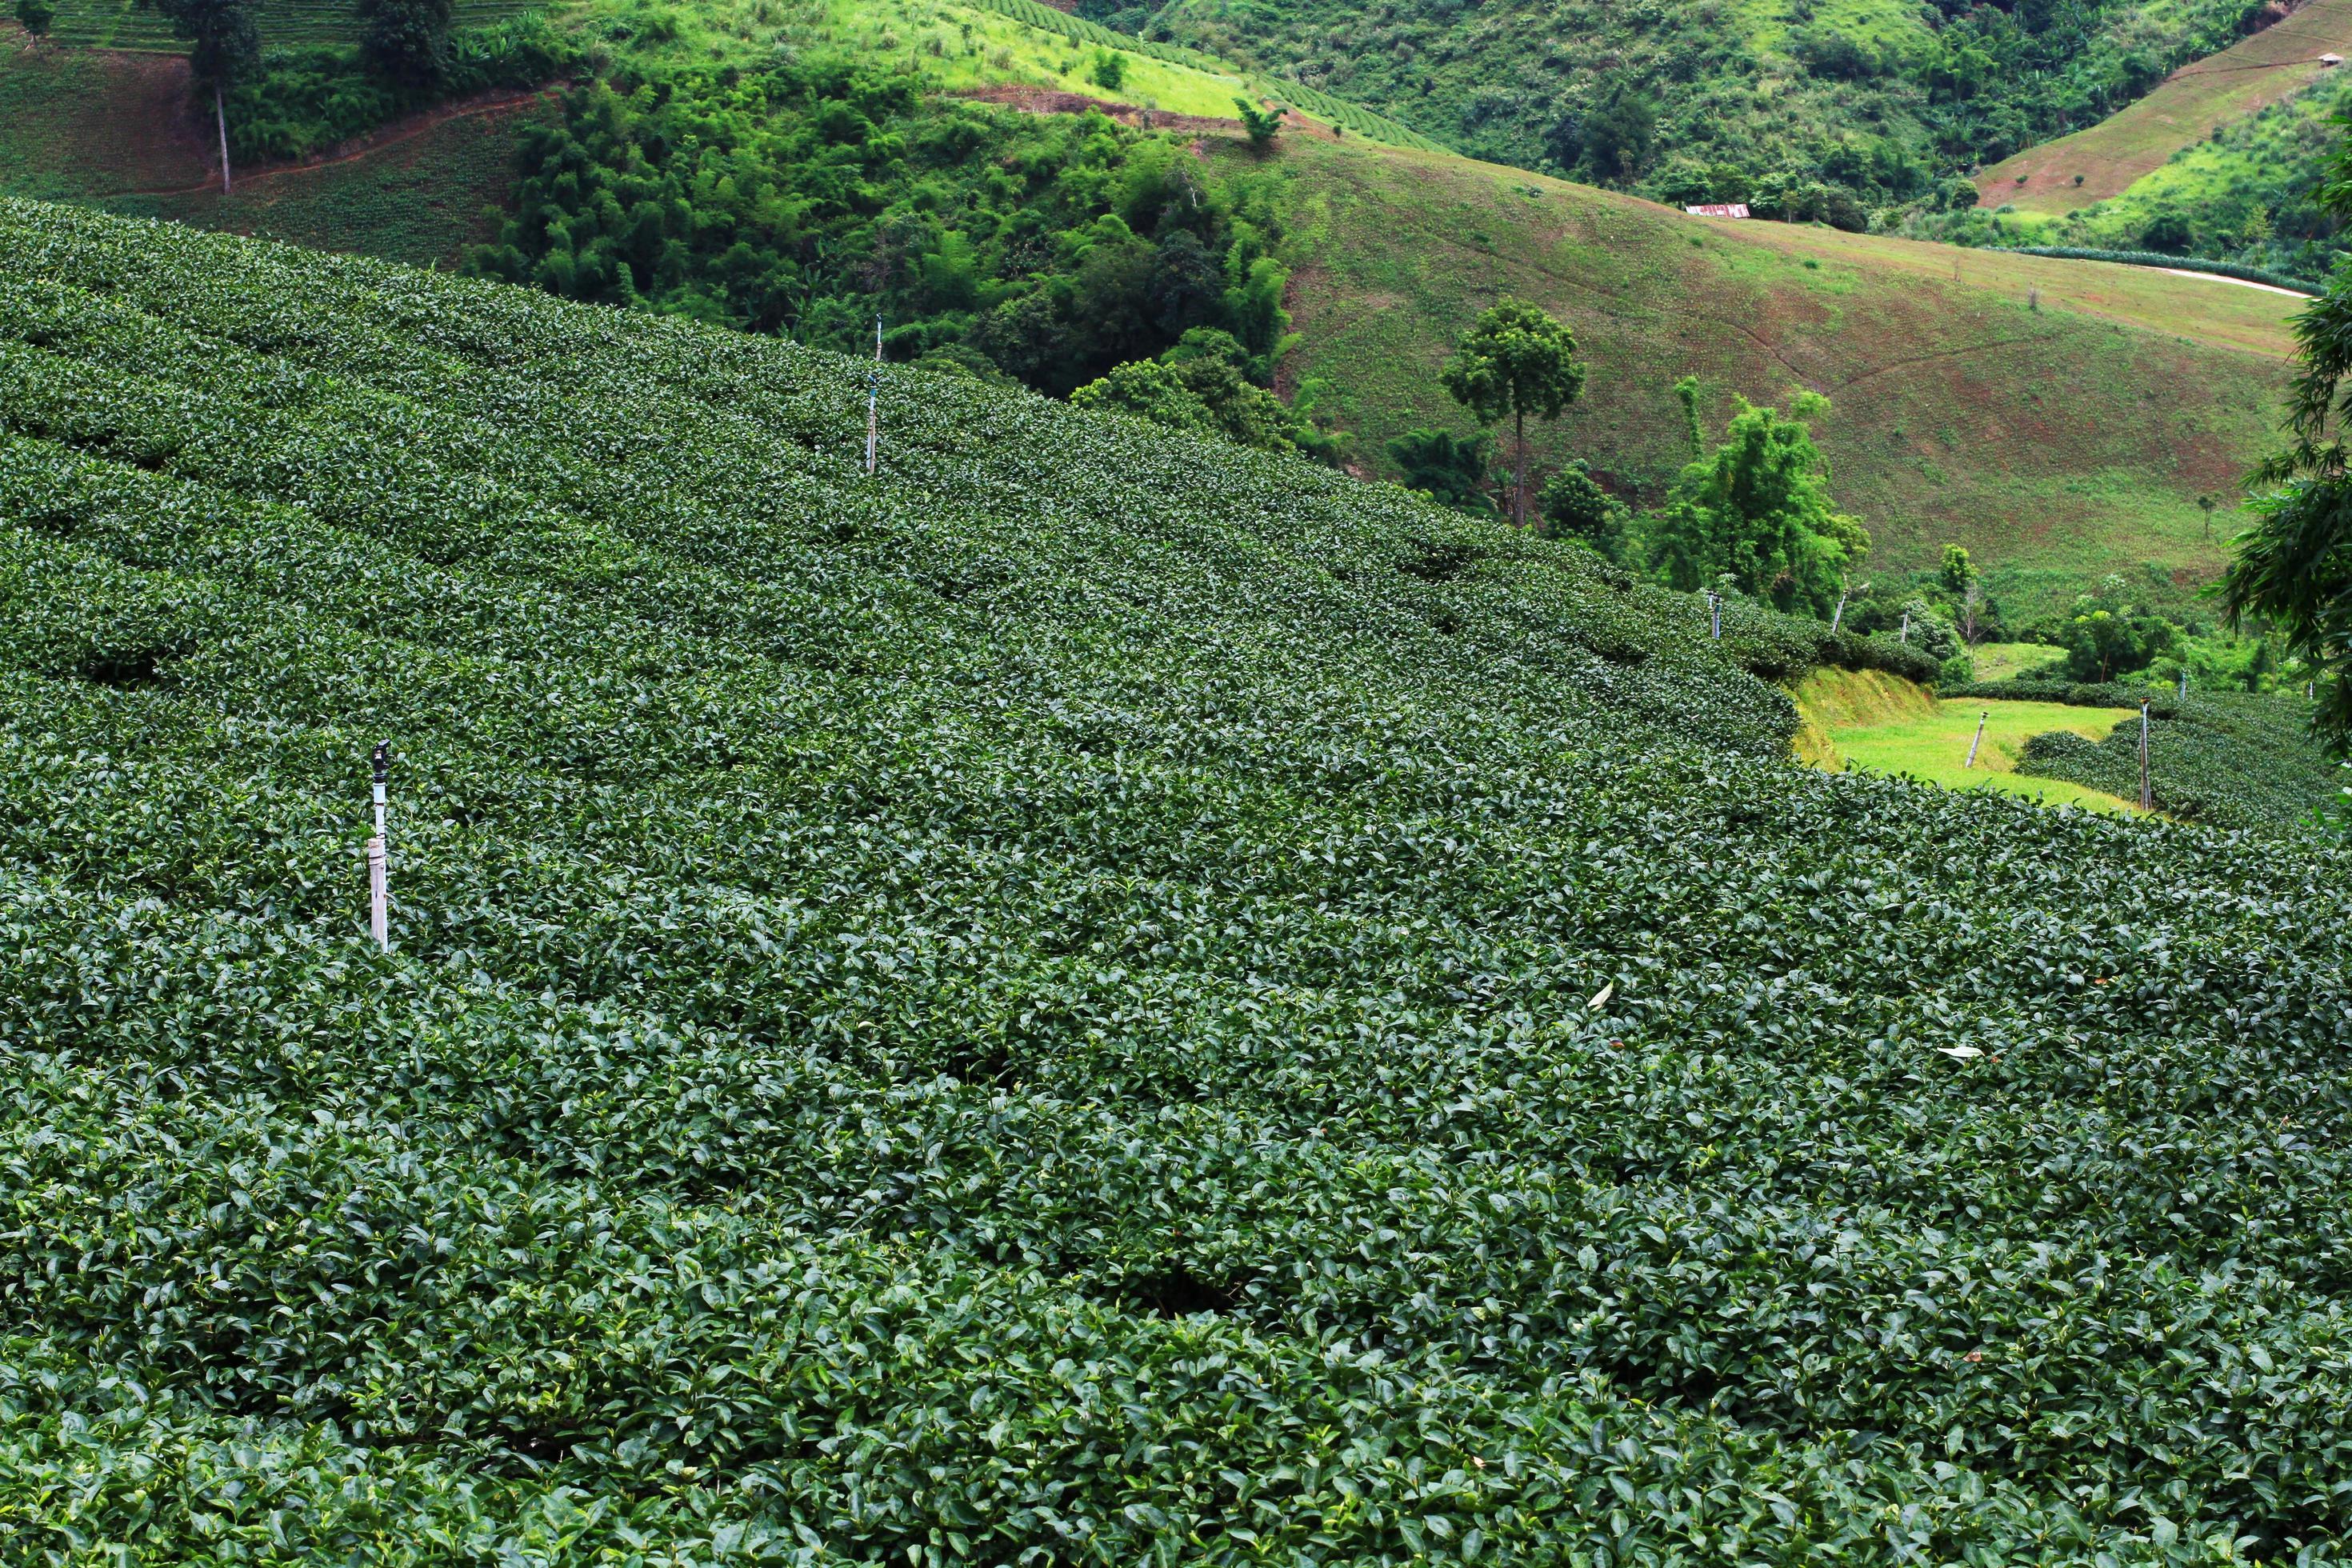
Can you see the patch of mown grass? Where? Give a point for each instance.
(1876, 723)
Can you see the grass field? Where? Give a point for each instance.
(2106, 159)
(81, 122)
(2000, 660)
(2059, 419)
(422, 199)
(1879, 725)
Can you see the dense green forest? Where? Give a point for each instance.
(2253, 192)
(1835, 112)
(804, 199)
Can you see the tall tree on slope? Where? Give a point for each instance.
(1515, 361)
(2294, 565)
(228, 46)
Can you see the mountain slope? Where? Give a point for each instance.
(2105, 160)
(1832, 110)
(1090, 996)
(2062, 420)
(2058, 418)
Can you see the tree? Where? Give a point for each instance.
(1961, 580)
(1199, 385)
(1450, 470)
(227, 48)
(1617, 136)
(406, 40)
(1516, 360)
(1575, 507)
(1111, 70)
(2294, 567)
(1757, 509)
(35, 16)
(1263, 125)
(2103, 642)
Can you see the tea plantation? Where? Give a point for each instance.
(1090, 998)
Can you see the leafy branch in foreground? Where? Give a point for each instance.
(2294, 566)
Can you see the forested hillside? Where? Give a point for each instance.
(1830, 111)
(800, 172)
(1089, 996)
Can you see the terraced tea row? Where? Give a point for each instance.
(284, 24)
(1089, 997)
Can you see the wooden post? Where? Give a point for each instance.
(2147, 795)
(379, 888)
(1977, 741)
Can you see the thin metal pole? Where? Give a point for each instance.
(2184, 680)
(873, 418)
(2147, 795)
(1905, 639)
(1715, 609)
(1977, 741)
(379, 886)
(1840, 617)
(220, 113)
(874, 400)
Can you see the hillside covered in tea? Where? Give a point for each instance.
(1089, 997)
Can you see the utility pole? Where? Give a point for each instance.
(1977, 741)
(379, 889)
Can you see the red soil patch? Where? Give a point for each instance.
(110, 121)
(377, 141)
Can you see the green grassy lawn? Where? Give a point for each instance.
(2000, 660)
(2106, 159)
(2058, 418)
(1875, 721)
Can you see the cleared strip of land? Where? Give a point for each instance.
(2104, 160)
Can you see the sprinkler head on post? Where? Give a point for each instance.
(382, 760)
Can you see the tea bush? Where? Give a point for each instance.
(1093, 997)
